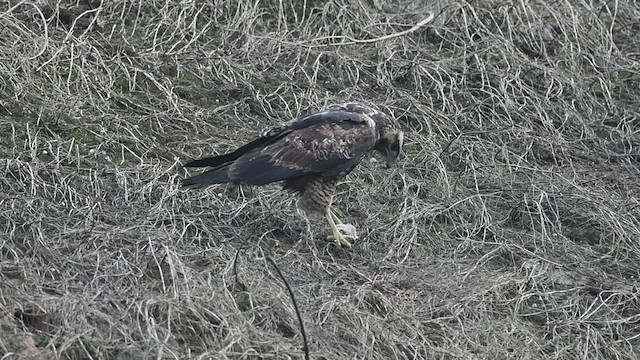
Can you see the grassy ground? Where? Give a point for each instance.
(510, 230)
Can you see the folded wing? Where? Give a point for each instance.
(328, 143)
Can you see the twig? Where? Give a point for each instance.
(305, 343)
(352, 41)
(295, 306)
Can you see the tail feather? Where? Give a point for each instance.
(212, 161)
(215, 176)
(215, 161)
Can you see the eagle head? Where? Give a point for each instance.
(390, 138)
(390, 135)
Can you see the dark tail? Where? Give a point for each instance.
(213, 161)
(220, 164)
(215, 176)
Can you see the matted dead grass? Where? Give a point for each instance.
(510, 229)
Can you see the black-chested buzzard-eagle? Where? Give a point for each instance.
(309, 154)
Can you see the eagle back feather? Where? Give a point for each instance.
(326, 149)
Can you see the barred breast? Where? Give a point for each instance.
(315, 197)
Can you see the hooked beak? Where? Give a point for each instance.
(392, 156)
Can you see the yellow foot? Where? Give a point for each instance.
(344, 241)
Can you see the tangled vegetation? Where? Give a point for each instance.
(510, 229)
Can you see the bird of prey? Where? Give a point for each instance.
(309, 155)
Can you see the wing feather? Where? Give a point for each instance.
(323, 117)
(329, 149)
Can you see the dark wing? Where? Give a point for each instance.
(214, 161)
(276, 133)
(329, 149)
(328, 143)
(324, 117)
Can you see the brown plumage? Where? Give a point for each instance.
(309, 154)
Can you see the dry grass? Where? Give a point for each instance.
(510, 230)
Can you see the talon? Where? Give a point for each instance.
(345, 241)
(343, 234)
